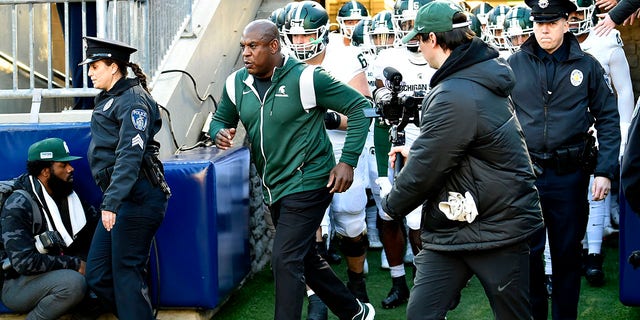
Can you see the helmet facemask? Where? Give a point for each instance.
(582, 20)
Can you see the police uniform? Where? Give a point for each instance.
(557, 98)
(121, 156)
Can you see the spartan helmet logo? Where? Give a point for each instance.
(543, 3)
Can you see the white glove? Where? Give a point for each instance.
(459, 208)
(385, 188)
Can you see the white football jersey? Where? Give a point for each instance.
(608, 50)
(343, 63)
(416, 75)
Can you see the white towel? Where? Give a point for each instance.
(76, 214)
(459, 208)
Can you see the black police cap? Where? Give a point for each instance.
(550, 10)
(98, 49)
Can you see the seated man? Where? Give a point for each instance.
(46, 233)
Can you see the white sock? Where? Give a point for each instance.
(397, 271)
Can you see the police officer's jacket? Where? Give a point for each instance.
(20, 222)
(286, 130)
(557, 116)
(470, 141)
(123, 124)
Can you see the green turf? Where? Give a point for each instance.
(255, 299)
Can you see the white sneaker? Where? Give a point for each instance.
(367, 312)
(366, 266)
(384, 264)
(374, 239)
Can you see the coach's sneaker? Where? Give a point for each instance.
(367, 312)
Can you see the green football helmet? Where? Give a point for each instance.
(495, 26)
(307, 20)
(583, 25)
(518, 26)
(381, 34)
(349, 15)
(404, 16)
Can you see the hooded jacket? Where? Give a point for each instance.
(286, 131)
(470, 141)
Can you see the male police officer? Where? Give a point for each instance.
(559, 93)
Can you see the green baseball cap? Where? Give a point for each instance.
(436, 16)
(51, 149)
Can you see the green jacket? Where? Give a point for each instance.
(290, 146)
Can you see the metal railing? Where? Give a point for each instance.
(31, 34)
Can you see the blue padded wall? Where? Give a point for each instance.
(629, 242)
(15, 140)
(203, 242)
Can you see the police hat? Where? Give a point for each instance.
(98, 49)
(51, 149)
(550, 10)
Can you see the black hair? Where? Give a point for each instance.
(122, 66)
(449, 40)
(34, 168)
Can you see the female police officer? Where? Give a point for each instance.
(123, 159)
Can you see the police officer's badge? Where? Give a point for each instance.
(108, 105)
(576, 77)
(543, 3)
(140, 118)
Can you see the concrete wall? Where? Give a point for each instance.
(209, 55)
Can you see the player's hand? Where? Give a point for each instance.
(604, 26)
(340, 178)
(224, 138)
(606, 5)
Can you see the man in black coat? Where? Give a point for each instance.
(470, 170)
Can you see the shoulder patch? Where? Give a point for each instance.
(140, 119)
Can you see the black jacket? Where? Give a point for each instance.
(470, 140)
(18, 226)
(623, 10)
(630, 168)
(124, 123)
(555, 116)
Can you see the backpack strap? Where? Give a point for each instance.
(37, 217)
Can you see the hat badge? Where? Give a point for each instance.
(543, 3)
